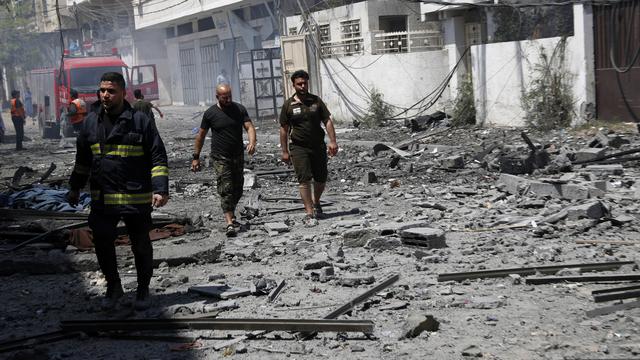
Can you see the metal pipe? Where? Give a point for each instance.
(585, 278)
(530, 271)
(219, 324)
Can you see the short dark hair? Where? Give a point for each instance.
(15, 93)
(114, 77)
(137, 93)
(73, 93)
(299, 74)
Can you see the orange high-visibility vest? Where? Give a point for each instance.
(81, 111)
(15, 110)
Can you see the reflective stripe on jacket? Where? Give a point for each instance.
(124, 168)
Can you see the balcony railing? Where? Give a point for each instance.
(407, 41)
(342, 47)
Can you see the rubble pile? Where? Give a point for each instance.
(450, 242)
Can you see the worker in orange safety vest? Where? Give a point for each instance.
(77, 111)
(17, 117)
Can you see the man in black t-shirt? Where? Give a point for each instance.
(226, 120)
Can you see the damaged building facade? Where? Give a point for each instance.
(204, 43)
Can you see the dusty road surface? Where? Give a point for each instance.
(441, 201)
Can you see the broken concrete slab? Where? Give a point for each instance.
(560, 191)
(591, 210)
(316, 264)
(358, 237)
(424, 236)
(220, 291)
(589, 154)
(202, 251)
(391, 228)
(356, 280)
(417, 323)
(383, 243)
(606, 169)
(512, 184)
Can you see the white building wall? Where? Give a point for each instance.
(403, 79)
(503, 71)
(158, 13)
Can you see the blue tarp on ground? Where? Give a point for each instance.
(45, 199)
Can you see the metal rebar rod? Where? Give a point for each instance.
(618, 289)
(530, 270)
(219, 324)
(582, 278)
(616, 296)
(613, 308)
(355, 301)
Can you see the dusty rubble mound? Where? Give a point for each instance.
(437, 242)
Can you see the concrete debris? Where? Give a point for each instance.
(441, 206)
(418, 323)
(423, 236)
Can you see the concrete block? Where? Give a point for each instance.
(600, 140)
(370, 178)
(276, 227)
(559, 191)
(592, 210)
(428, 237)
(512, 183)
(452, 162)
(590, 153)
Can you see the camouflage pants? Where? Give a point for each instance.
(229, 181)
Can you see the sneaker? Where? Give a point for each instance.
(236, 224)
(309, 221)
(231, 231)
(317, 211)
(143, 299)
(112, 297)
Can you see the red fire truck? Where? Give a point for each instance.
(51, 89)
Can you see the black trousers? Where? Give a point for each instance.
(18, 124)
(104, 227)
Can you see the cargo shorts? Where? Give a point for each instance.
(229, 180)
(309, 163)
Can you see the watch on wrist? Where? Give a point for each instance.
(196, 156)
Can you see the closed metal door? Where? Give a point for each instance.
(189, 76)
(617, 68)
(210, 66)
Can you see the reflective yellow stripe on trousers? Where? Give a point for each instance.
(159, 171)
(127, 199)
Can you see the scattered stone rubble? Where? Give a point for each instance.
(426, 201)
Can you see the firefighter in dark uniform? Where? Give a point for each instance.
(121, 154)
(18, 118)
(77, 111)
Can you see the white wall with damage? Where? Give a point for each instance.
(503, 71)
(403, 79)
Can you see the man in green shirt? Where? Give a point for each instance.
(302, 142)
